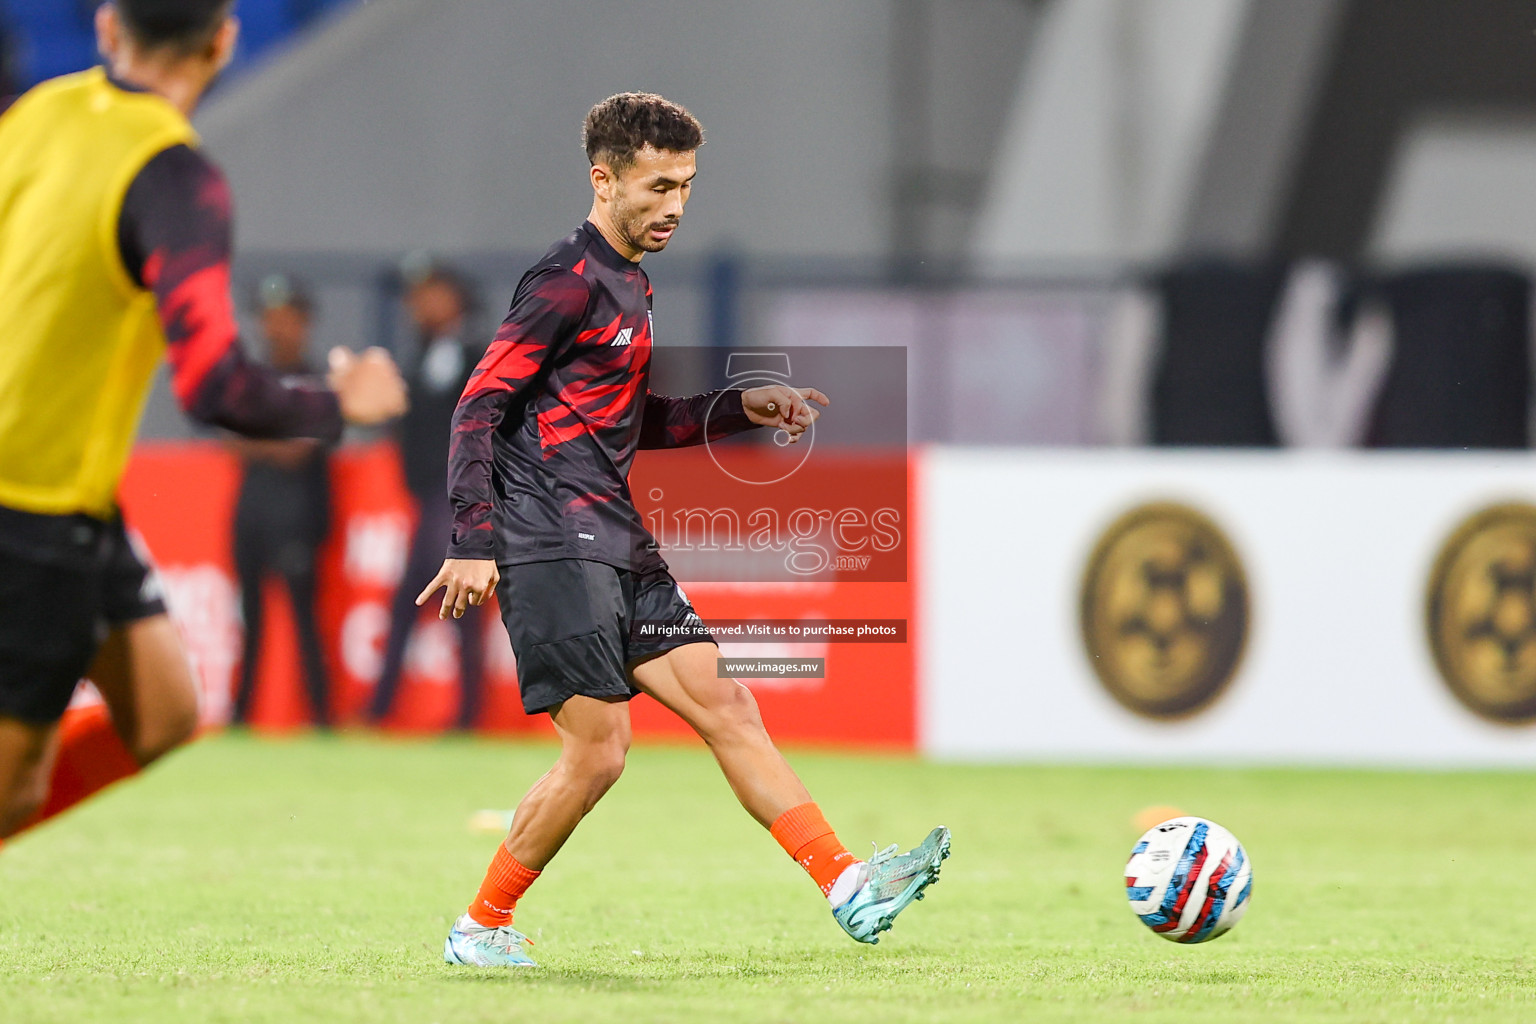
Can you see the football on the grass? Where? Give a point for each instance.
(1188, 879)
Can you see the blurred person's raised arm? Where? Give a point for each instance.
(174, 233)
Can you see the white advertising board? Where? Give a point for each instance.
(1337, 551)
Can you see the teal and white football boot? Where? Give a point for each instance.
(476, 945)
(887, 884)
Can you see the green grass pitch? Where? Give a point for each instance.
(314, 879)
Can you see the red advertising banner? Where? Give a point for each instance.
(180, 497)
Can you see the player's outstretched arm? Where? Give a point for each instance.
(682, 422)
(174, 237)
(466, 581)
(791, 410)
(369, 388)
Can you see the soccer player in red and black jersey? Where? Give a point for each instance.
(543, 439)
(114, 252)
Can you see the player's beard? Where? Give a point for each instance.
(637, 226)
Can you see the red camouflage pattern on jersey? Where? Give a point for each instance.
(549, 424)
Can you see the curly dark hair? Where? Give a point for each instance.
(620, 126)
(181, 25)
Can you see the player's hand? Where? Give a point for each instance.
(789, 409)
(368, 386)
(468, 581)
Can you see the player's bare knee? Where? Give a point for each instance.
(171, 727)
(28, 797)
(734, 719)
(597, 764)
(607, 764)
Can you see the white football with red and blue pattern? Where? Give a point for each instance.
(1189, 880)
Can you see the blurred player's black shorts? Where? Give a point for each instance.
(577, 626)
(65, 583)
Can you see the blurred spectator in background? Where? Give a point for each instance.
(283, 512)
(438, 301)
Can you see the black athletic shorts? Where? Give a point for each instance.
(578, 626)
(65, 583)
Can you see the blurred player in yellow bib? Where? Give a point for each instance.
(114, 254)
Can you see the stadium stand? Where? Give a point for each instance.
(51, 39)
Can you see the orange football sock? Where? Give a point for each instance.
(805, 835)
(504, 885)
(91, 758)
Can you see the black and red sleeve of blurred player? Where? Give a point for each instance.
(545, 315)
(174, 233)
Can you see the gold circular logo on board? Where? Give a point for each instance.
(1482, 613)
(1164, 610)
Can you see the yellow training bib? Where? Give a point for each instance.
(79, 339)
